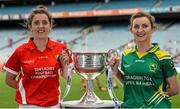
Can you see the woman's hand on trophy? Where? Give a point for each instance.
(64, 59)
(113, 60)
(114, 64)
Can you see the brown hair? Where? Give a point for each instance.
(143, 14)
(40, 9)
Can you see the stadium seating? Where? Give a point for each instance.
(65, 33)
(55, 8)
(169, 3)
(107, 36)
(148, 5)
(121, 4)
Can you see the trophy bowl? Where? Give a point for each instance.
(89, 66)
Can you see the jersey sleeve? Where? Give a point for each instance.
(168, 67)
(13, 65)
(166, 62)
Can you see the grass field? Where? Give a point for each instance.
(7, 94)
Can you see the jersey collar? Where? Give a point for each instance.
(152, 49)
(32, 46)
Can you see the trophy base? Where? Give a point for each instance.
(77, 104)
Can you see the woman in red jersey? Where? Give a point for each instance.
(36, 64)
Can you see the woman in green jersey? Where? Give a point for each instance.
(147, 72)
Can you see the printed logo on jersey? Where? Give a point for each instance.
(153, 67)
(28, 61)
(139, 60)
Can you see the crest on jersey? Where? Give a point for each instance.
(153, 67)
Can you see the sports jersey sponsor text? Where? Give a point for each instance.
(138, 80)
(43, 72)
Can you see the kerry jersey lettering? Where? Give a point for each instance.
(144, 78)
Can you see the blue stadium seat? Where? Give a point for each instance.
(124, 4)
(169, 3)
(55, 8)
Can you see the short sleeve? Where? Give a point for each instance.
(168, 67)
(13, 64)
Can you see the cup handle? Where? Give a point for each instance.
(110, 88)
(68, 80)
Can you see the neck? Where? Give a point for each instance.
(40, 43)
(143, 47)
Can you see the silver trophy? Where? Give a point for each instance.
(90, 65)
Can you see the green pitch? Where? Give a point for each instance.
(7, 94)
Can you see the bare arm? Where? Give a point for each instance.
(64, 71)
(114, 65)
(120, 76)
(64, 60)
(11, 80)
(173, 87)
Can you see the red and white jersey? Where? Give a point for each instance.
(38, 81)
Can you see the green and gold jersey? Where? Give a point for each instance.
(144, 78)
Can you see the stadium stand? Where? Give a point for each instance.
(124, 4)
(168, 3)
(54, 8)
(102, 39)
(89, 36)
(66, 33)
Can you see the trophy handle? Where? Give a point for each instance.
(75, 60)
(111, 53)
(110, 88)
(69, 78)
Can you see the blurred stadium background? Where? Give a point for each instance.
(88, 25)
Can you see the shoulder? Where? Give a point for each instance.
(19, 51)
(57, 44)
(128, 51)
(22, 47)
(162, 54)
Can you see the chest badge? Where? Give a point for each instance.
(153, 67)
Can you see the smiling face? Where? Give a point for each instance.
(40, 26)
(142, 25)
(142, 29)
